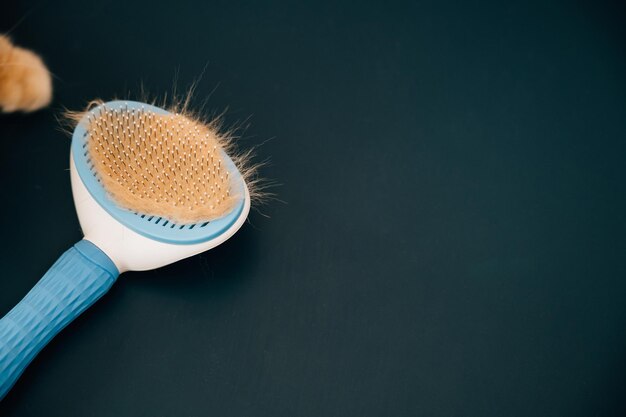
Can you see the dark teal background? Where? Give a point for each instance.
(452, 237)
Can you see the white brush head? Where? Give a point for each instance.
(141, 241)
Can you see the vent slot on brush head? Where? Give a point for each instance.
(161, 174)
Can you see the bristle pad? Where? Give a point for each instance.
(166, 165)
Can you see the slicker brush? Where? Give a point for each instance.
(150, 187)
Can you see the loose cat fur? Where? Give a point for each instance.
(25, 82)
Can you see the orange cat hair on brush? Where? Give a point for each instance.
(25, 82)
(169, 164)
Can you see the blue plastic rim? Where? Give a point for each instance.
(153, 227)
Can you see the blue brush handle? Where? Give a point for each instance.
(80, 277)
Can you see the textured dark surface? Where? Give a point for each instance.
(452, 242)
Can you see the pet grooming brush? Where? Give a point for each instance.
(150, 187)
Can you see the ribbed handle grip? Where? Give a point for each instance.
(80, 277)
